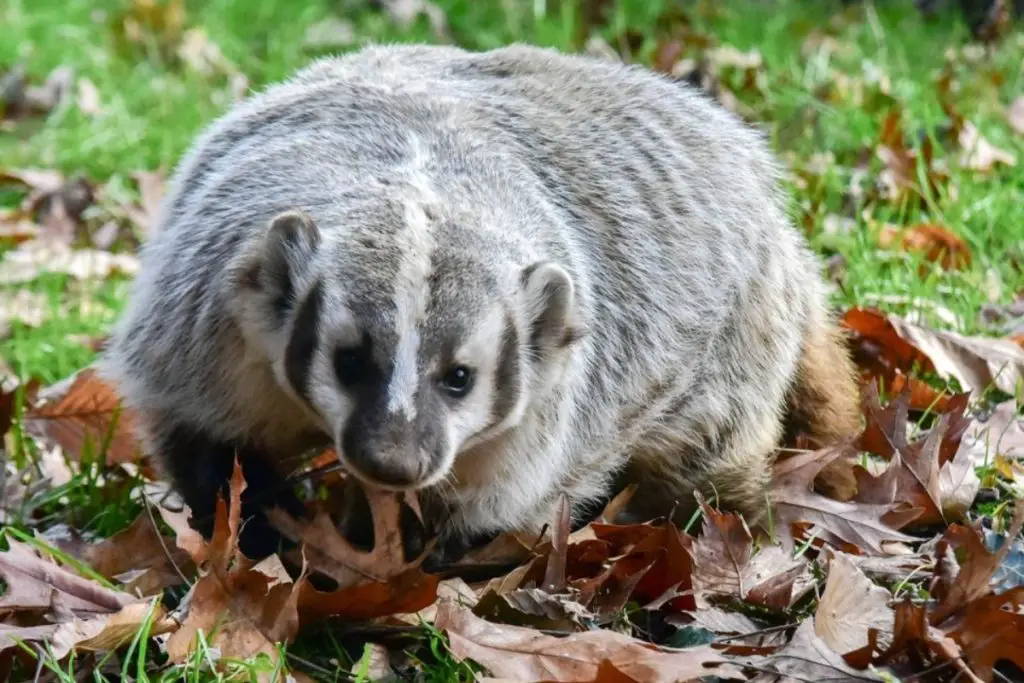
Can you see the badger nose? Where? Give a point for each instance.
(391, 472)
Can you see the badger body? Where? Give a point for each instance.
(491, 277)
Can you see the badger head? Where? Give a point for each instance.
(407, 346)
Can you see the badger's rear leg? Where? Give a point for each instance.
(200, 468)
(823, 403)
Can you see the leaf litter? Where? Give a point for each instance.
(570, 584)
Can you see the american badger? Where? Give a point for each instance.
(492, 277)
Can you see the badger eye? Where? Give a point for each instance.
(457, 381)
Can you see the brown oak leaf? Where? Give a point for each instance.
(860, 524)
(522, 654)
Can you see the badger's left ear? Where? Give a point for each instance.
(551, 308)
(274, 264)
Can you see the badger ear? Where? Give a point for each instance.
(550, 303)
(274, 263)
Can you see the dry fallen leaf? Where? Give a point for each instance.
(18, 99)
(405, 12)
(858, 523)
(152, 185)
(95, 633)
(809, 658)
(912, 635)
(81, 409)
(850, 606)
(1015, 115)
(16, 227)
(88, 99)
(25, 306)
(973, 581)
(725, 566)
(369, 584)
(878, 348)
(978, 154)
(1000, 434)
(36, 257)
(329, 552)
(140, 550)
(520, 654)
(990, 630)
(934, 243)
(243, 608)
(976, 362)
(34, 582)
(898, 179)
(658, 553)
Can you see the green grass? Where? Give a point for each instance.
(154, 105)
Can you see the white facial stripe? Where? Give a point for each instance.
(405, 378)
(412, 292)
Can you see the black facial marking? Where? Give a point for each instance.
(305, 336)
(354, 365)
(506, 380)
(283, 301)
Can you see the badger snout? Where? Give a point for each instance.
(393, 453)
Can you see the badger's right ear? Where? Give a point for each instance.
(274, 264)
(551, 308)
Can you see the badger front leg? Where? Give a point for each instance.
(200, 467)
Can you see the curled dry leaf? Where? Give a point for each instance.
(26, 307)
(878, 347)
(658, 553)
(973, 581)
(53, 203)
(725, 566)
(914, 637)
(152, 185)
(96, 633)
(866, 526)
(808, 657)
(850, 606)
(244, 609)
(978, 363)
(16, 227)
(329, 552)
(978, 154)
(933, 474)
(521, 654)
(88, 99)
(82, 409)
(410, 591)
(405, 12)
(34, 582)
(1000, 435)
(370, 584)
(1015, 115)
(19, 99)
(34, 258)
(990, 630)
(898, 178)
(141, 550)
(933, 242)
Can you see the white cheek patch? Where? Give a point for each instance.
(324, 393)
(480, 351)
